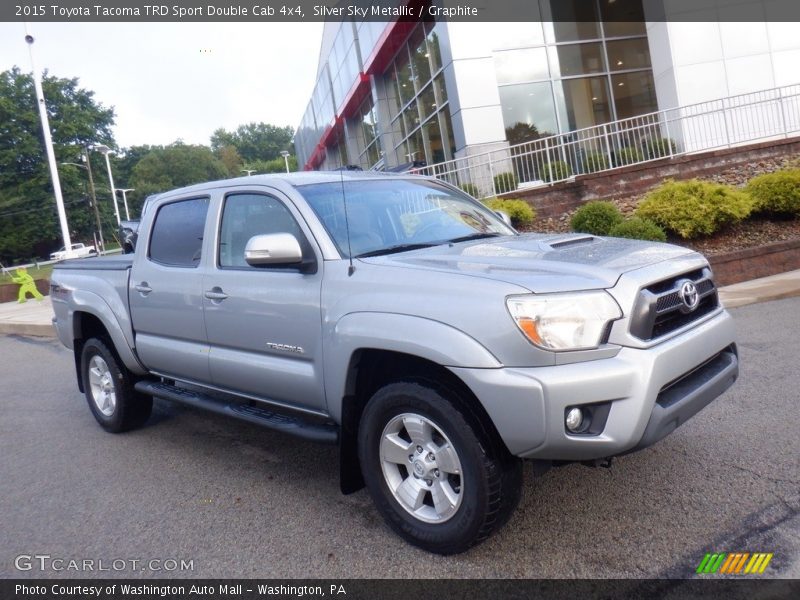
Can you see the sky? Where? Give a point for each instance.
(170, 81)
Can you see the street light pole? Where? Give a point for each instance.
(48, 144)
(285, 156)
(106, 151)
(125, 201)
(88, 167)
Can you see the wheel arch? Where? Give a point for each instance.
(370, 369)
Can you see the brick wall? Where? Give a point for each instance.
(553, 201)
(752, 263)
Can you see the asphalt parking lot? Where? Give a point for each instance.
(239, 501)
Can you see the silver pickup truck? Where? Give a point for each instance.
(404, 321)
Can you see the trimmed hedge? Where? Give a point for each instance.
(628, 156)
(637, 228)
(694, 208)
(777, 192)
(521, 212)
(659, 147)
(598, 218)
(595, 161)
(556, 171)
(470, 188)
(505, 182)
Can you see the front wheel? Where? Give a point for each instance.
(428, 470)
(109, 389)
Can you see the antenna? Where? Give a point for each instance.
(351, 269)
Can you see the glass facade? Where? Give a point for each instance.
(417, 96)
(579, 69)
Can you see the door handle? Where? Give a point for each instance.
(143, 288)
(215, 293)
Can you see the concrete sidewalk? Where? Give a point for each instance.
(35, 318)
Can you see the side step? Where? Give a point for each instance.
(326, 433)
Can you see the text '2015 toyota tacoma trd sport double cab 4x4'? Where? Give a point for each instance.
(405, 321)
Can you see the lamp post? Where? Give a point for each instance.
(88, 167)
(125, 201)
(285, 156)
(48, 144)
(106, 151)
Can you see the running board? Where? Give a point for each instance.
(326, 433)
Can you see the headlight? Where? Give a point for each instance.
(574, 321)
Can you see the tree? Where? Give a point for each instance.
(28, 219)
(254, 141)
(173, 166)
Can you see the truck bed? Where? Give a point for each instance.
(98, 263)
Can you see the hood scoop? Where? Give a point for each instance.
(576, 240)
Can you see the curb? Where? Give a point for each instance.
(31, 329)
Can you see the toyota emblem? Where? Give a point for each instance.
(689, 296)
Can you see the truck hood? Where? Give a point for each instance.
(541, 263)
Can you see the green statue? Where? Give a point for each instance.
(26, 285)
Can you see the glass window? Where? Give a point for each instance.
(528, 111)
(628, 54)
(446, 126)
(411, 117)
(177, 238)
(517, 66)
(433, 141)
(433, 48)
(584, 102)
(247, 215)
(405, 79)
(622, 18)
(580, 59)
(634, 94)
(419, 57)
(574, 20)
(441, 89)
(427, 102)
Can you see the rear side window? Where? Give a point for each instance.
(177, 237)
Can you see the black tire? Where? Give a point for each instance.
(103, 373)
(486, 488)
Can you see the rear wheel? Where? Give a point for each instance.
(109, 389)
(434, 479)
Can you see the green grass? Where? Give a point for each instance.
(42, 272)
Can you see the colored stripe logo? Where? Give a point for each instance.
(734, 563)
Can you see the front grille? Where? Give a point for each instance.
(660, 308)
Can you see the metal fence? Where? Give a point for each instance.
(723, 123)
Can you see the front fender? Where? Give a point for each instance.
(417, 336)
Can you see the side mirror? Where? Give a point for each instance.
(505, 216)
(273, 249)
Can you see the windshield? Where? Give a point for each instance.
(386, 216)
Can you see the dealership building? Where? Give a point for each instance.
(388, 94)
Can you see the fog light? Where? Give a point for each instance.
(574, 419)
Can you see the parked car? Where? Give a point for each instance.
(406, 322)
(78, 251)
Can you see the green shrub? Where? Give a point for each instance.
(628, 156)
(556, 171)
(658, 147)
(505, 182)
(777, 192)
(470, 188)
(597, 217)
(637, 228)
(521, 212)
(694, 208)
(595, 161)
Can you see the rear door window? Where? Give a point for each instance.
(177, 237)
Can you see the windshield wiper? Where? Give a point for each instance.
(474, 236)
(398, 248)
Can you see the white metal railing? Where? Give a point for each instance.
(723, 123)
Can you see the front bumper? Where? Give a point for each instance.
(651, 392)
